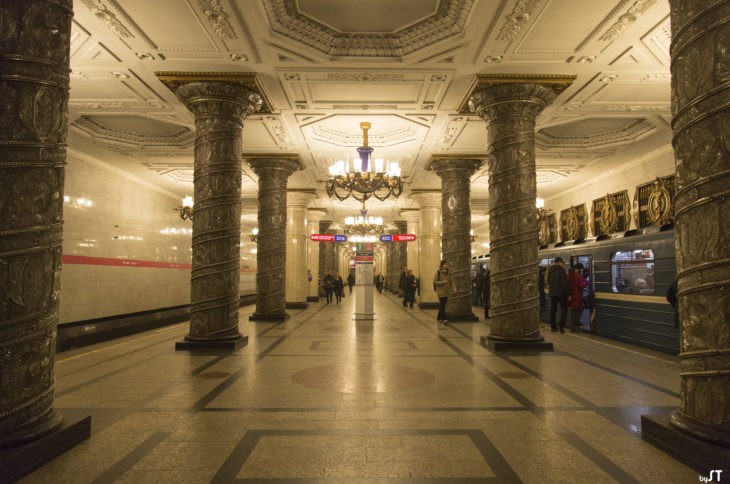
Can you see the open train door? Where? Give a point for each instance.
(589, 301)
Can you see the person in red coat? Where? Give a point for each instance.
(576, 283)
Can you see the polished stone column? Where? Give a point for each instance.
(220, 103)
(314, 216)
(34, 86)
(455, 173)
(701, 137)
(429, 247)
(273, 172)
(510, 105)
(394, 266)
(296, 247)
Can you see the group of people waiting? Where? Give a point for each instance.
(566, 292)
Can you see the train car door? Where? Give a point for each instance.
(586, 319)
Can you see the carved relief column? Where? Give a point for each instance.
(455, 173)
(701, 138)
(220, 103)
(314, 215)
(296, 247)
(510, 105)
(34, 85)
(273, 172)
(429, 247)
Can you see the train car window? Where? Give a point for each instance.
(546, 262)
(633, 272)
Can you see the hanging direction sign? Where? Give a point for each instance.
(328, 238)
(397, 237)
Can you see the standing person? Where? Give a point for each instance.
(576, 283)
(409, 296)
(402, 283)
(339, 288)
(329, 286)
(559, 291)
(672, 299)
(485, 293)
(351, 281)
(379, 283)
(541, 290)
(443, 284)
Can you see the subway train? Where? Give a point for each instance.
(627, 277)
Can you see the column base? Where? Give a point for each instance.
(428, 305)
(19, 461)
(499, 344)
(463, 318)
(364, 316)
(297, 305)
(230, 343)
(698, 454)
(259, 317)
(313, 299)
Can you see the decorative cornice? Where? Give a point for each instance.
(545, 140)
(181, 138)
(248, 79)
(448, 21)
(557, 82)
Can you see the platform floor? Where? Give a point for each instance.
(321, 398)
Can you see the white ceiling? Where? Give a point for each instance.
(402, 65)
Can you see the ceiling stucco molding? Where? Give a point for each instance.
(448, 21)
(606, 140)
(626, 20)
(398, 136)
(217, 18)
(181, 138)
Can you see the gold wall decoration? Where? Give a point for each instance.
(573, 223)
(611, 213)
(547, 226)
(655, 202)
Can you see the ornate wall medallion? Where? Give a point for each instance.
(655, 201)
(611, 213)
(573, 223)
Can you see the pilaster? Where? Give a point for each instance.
(429, 246)
(296, 247)
(314, 216)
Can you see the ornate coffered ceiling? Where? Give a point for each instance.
(403, 65)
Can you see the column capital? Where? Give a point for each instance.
(199, 87)
(412, 215)
(485, 89)
(300, 198)
(456, 166)
(427, 198)
(316, 214)
(268, 163)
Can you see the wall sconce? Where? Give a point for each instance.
(186, 211)
(255, 235)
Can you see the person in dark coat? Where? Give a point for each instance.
(339, 288)
(559, 291)
(329, 286)
(672, 299)
(541, 290)
(575, 300)
(351, 281)
(485, 293)
(409, 294)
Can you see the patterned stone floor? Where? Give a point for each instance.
(321, 398)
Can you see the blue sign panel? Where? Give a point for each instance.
(386, 238)
(340, 238)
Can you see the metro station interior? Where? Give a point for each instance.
(179, 179)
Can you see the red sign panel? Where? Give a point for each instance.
(404, 237)
(322, 237)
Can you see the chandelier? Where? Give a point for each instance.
(364, 224)
(366, 179)
(186, 210)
